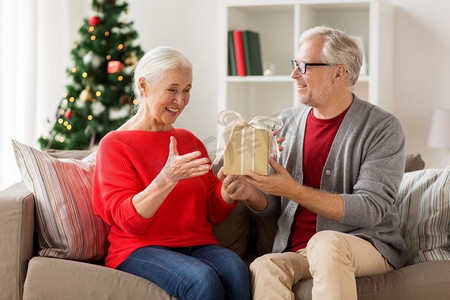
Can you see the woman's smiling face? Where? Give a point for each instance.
(166, 98)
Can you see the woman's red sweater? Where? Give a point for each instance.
(127, 162)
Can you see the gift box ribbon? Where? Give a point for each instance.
(260, 122)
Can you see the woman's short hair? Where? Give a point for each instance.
(338, 48)
(156, 62)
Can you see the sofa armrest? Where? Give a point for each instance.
(16, 236)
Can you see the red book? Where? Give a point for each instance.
(239, 52)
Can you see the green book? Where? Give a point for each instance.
(252, 50)
(231, 56)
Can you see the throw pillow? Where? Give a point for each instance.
(74, 154)
(66, 224)
(424, 208)
(414, 162)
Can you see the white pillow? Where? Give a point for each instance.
(66, 224)
(424, 207)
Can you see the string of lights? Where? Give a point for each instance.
(98, 97)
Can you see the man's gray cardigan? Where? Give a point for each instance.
(365, 166)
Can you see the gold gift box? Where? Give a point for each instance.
(246, 145)
(247, 149)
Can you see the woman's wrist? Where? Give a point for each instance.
(225, 196)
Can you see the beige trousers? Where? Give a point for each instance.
(333, 259)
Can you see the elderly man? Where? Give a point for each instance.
(335, 183)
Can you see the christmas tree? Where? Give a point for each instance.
(99, 97)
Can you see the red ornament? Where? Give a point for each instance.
(68, 114)
(125, 99)
(115, 66)
(95, 20)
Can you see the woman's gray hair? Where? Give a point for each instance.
(156, 62)
(338, 48)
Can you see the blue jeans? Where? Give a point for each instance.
(201, 272)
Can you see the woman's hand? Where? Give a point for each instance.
(236, 188)
(185, 166)
(233, 186)
(177, 167)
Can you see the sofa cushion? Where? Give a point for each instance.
(233, 233)
(420, 281)
(246, 234)
(423, 204)
(50, 278)
(16, 238)
(66, 224)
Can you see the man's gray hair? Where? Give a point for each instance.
(338, 48)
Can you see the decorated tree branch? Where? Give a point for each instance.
(99, 97)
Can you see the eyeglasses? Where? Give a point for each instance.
(302, 65)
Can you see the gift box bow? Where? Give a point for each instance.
(260, 122)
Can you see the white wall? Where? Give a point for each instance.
(422, 71)
(191, 27)
(36, 38)
(421, 61)
(187, 25)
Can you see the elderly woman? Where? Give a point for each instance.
(154, 187)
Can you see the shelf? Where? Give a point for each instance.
(279, 24)
(274, 78)
(363, 78)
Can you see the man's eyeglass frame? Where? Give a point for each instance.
(302, 65)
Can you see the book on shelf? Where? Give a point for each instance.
(239, 53)
(252, 51)
(244, 53)
(231, 57)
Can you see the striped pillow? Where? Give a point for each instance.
(424, 207)
(66, 224)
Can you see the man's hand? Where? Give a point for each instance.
(280, 183)
(279, 140)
